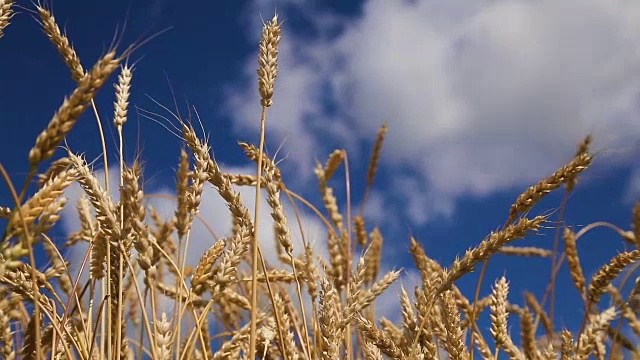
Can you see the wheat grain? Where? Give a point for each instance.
(409, 321)
(163, 337)
(574, 261)
(588, 339)
(567, 347)
(490, 246)
(7, 349)
(482, 346)
(268, 60)
(202, 271)
(109, 227)
(253, 153)
(36, 205)
(132, 199)
(328, 319)
(182, 188)
(532, 195)
(583, 148)
(528, 335)
(373, 257)
(55, 168)
(371, 352)
(65, 118)
(312, 275)
(123, 90)
(360, 230)
(283, 235)
(88, 225)
(376, 154)
(61, 42)
(6, 13)
(5, 212)
(499, 312)
(608, 272)
(377, 337)
(454, 343)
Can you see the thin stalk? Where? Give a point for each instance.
(179, 289)
(254, 243)
(105, 287)
(285, 355)
(121, 269)
(554, 258)
(307, 341)
(145, 317)
(32, 260)
(349, 251)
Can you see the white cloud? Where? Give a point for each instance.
(480, 96)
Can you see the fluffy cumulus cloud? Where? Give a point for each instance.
(481, 96)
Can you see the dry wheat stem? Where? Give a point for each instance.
(129, 196)
(255, 246)
(526, 251)
(267, 72)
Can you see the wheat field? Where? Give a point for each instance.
(234, 304)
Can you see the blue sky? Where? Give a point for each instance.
(483, 98)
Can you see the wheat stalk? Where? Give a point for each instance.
(267, 72)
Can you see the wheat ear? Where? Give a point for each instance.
(490, 246)
(267, 72)
(65, 118)
(6, 13)
(499, 312)
(608, 272)
(575, 269)
(532, 195)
